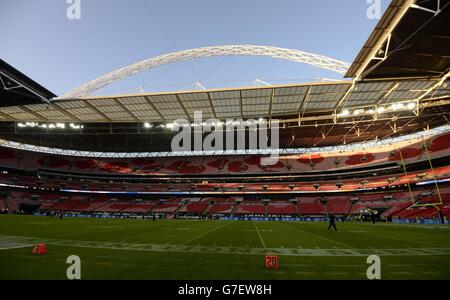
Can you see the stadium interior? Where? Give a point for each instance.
(379, 141)
(374, 144)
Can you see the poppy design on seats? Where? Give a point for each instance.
(360, 158)
(185, 167)
(218, 163)
(237, 166)
(406, 153)
(440, 143)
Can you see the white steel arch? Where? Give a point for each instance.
(316, 60)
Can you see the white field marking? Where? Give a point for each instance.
(208, 232)
(14, 247)
(259, 234)
(231, 250)
(320, 237)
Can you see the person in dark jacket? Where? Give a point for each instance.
(372, 217)
(332, 220)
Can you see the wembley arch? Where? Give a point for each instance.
(315, 60)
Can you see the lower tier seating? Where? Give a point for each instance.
(424, 202)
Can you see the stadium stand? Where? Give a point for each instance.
(32, 161)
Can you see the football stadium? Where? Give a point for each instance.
(333, 179)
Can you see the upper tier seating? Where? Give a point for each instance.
(305, 186)
(437, 146)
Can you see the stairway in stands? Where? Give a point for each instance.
(234, 209)
(206, 211)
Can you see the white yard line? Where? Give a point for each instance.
(259, 234)
(320, 237)
(206, 233)
(15, 247)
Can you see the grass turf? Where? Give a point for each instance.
(192, 249)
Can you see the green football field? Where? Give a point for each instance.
(193, 249)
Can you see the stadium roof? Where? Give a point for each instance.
(18, 89)
(238, 103)
(313, 131)
(412, 39)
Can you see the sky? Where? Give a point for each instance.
(61, 53)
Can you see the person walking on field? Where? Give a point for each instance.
(332, 220)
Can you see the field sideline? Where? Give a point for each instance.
(193, 249)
